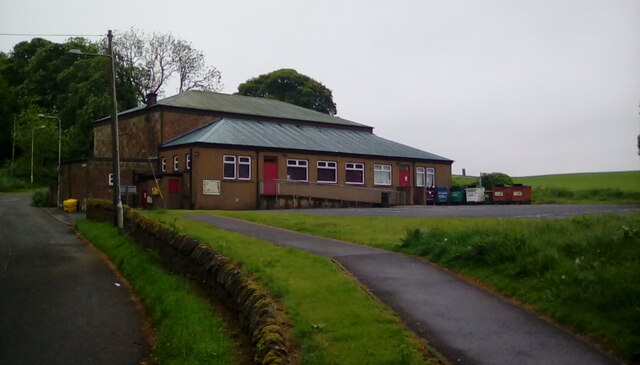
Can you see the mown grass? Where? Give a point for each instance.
(382, 232)
(584, 271)
(333, 319)
(186, 331)
(604, 187)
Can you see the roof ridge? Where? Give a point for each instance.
(192, 131)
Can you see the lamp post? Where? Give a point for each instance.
(117, 202)
(33, 130)
(59, 152)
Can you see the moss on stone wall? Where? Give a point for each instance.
(215, 273)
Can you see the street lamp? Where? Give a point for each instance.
(59, 152)
(33, 130)
(117, 202)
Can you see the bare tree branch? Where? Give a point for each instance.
(149, 62)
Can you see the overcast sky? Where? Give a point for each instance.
(521, 87)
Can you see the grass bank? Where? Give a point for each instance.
(186, 331)
(334, 320)
(584, 271)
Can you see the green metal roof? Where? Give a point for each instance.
(239, 104)
(251, 133)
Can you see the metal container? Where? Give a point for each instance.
(442, 195)
(475, 195)
(502, 194)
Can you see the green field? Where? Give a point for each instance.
(600, 187)
(584, 271)
(628, 181)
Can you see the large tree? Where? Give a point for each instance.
(40, 76)
(292, 87)
(150, 61)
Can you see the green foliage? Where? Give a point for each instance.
(495, 178)
(186, 332)
(43, 135)
(575, 269)
(40, 198)
(291, 87)
(334, 321)
(41, 77)
(9, 183)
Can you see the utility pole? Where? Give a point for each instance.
(118, 218)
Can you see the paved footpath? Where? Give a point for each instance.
(466, 324)
(59, 301)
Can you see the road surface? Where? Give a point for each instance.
(60, 303)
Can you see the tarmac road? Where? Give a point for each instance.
(465, 323)
(60, 303)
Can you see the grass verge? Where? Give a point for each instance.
(584, 272)
(333, 319)
(186, 331)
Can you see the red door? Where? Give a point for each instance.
(404, 175)
(269, 176)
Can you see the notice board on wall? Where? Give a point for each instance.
(211, 187)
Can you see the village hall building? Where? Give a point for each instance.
(205, 150)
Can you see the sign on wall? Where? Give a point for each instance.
(211, 187)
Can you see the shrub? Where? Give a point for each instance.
(40, 198)
(495, 178)
(11, 183)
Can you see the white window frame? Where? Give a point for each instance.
(176, 163)
(293, 162)
(328, 165)
(187, 161)
(247, 161)
(354, 166)
(421, 176)
(110, 179)
(229, 160)
(163, 164)
(378, 170)
(431, 175)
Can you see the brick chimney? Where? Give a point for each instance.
(152, 99)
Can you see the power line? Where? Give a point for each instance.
(50, 35)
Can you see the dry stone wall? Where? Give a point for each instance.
(215, 273)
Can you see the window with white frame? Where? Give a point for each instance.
(236, 167)
(327, 171)
(382, 174)
(229, 166)
(175, 163)
(420, 176)
(163, 164)
(110, 179)
(354, 173)
(244, 168)
(297, 170)
(187, 161)
(431, 177)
